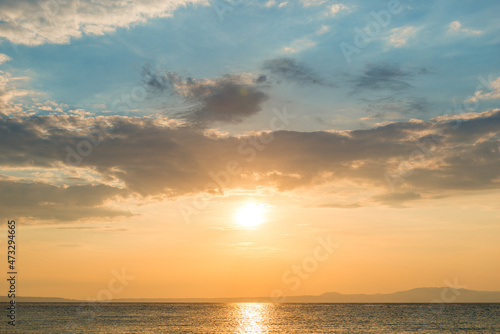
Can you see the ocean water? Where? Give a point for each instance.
(254, 318)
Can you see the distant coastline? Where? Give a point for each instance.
(418, 295)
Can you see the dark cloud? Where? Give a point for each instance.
(50, 202)
(229, 99)
(385, 76)
(153, 159)
(341, 205)
(396, 104)
(225, 100)
(385, 70)
(419, 105)
(159, 81)
(290, 70)
(387, 90)
(396, 199)
(261, 79)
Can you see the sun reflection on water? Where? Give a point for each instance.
(252, 317)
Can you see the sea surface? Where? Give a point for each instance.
(254, 318)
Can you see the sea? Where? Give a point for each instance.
(253, 318)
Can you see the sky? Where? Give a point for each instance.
(221, 148)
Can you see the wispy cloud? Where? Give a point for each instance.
(12, 90)
(386, 76)
(298, 45)
(399, 36)
(493, 94)
(456, 27)
(396, 199)
(337, 8)
(331, 9)
(290, 70)
(272, 3)
(4, 58)
(309, 3)
(323, 30)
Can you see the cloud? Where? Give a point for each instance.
(224, 100)
(399, 36)
(272, 3)
(386, 76)
(341, 205)
(464, 116)
(324, 29)
(151, 158)
(394, 106)
(493, 94)
(397, 198)
(332, 9)
(387, 90)
(309, 3)
(336, 8)
(290, 70)
(229, 99)
(49, 202)
(4, 58)
(298, 45)
(160, 81)
(34, 23)
(12, 92)
(456, 27)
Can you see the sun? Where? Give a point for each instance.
(250, 215)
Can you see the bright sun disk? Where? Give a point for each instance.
(250, 215)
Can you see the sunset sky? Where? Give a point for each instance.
(235, 148)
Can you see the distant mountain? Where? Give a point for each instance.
(419, 295)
